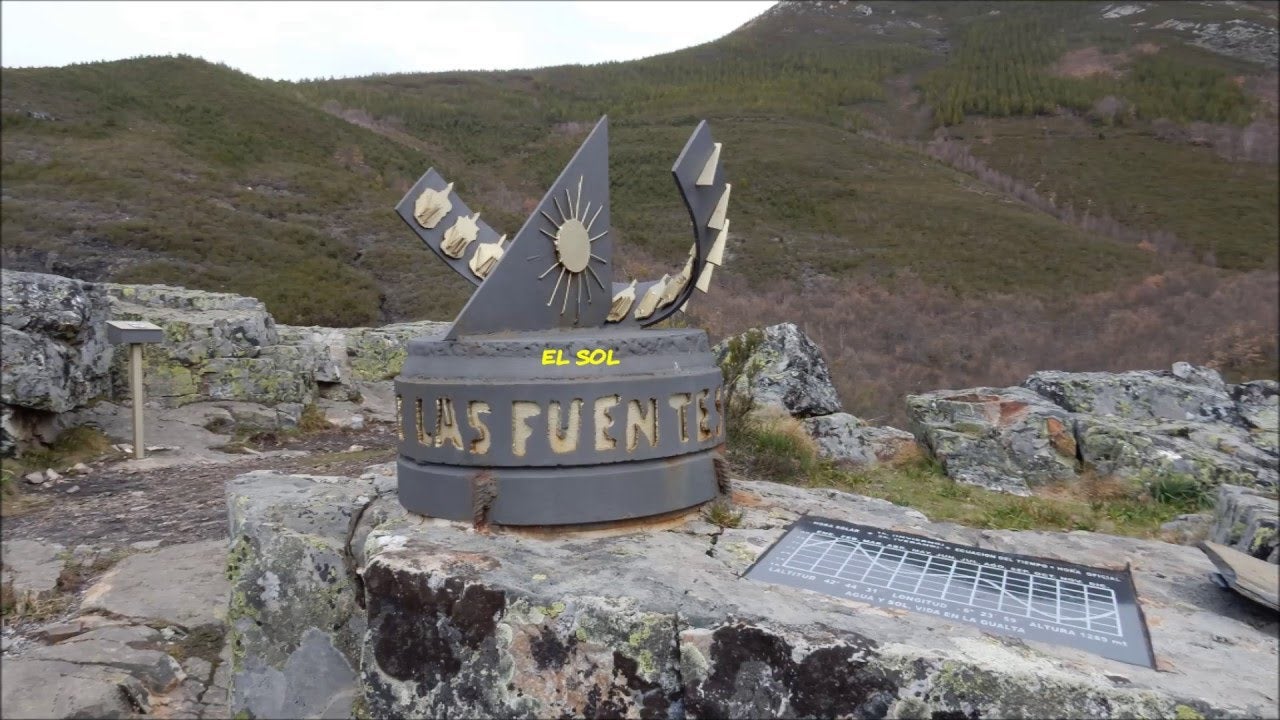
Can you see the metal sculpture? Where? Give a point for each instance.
(547, 401)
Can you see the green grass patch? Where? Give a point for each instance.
(779, 451)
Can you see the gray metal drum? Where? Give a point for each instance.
(559, 427)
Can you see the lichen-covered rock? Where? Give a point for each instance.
(278, 375)
(1248, 521)
(1258, 403)
(1190, 394)
(660, 623)
(217, 346)
(1006, 439)
(782, 369)
(198, 325)
(1184, 426)
(54, 355)
(329, 360)
(845, 438)
(294, 615)
(1205, 454)
(378, 353)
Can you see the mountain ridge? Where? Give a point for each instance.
(181, 171)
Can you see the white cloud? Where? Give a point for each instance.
(291, 40)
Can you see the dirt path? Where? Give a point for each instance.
(179, 504)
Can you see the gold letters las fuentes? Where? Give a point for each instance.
(607, 425)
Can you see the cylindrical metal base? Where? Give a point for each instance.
(559, 427)
(558, 496)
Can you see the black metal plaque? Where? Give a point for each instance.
(1016, 595)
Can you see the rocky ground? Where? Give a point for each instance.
(116, 581)
(117, 504)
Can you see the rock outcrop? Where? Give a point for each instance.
(219, 349)
(344, 604)
(779, 370)
(217, 346)
(223, 347)
(1184, 426)
(779, 367)
(345, 359)
(1006, 439)
(1248, 521)
(54, 355)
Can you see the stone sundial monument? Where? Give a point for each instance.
(551, 400)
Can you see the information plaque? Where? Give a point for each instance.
(1091, 609)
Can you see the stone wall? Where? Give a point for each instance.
(344, 604)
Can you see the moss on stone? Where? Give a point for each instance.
(1264, 537)
(553, 610)
(1185, 712)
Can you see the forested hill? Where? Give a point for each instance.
(967, 164)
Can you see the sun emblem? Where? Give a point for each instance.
(572, 242)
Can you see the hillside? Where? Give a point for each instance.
(1092, 185)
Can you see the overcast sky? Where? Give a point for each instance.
(293, 40)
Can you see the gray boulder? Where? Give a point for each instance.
(1182, 427)
(54, 354)
(845, 438)
(1247, 520)
(1258, 403)
(782, 369)
(1006, 439)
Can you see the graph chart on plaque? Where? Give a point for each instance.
(1060, 601)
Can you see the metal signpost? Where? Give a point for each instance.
(548, 402)
(1092, 609)
(135, 334)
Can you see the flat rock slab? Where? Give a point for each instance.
(183, 585)
(660, 623)
(122, 648)
(31, 568)
(1256, 579)
(43, 689)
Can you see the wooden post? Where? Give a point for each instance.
(134, 333)
(135, 385)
